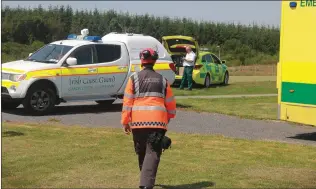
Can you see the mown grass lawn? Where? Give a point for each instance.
(243, 79)
(264, 87)
(38, 156)
(245, 107)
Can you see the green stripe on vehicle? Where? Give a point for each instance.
(208, 68)
(301, 93)
(202, 75)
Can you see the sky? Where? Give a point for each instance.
(244, 12)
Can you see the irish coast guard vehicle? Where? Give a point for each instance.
(297, 66)
(80, 68)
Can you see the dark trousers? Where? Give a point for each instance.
(187, 76)
(148, 155)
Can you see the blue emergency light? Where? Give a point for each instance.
(92, 38)
(72, 36)
(293, 4)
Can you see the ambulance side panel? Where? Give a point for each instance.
(297, 74)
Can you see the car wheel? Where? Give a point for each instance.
(10, 105)
(105, 102)
(226, 79)
(207, 81)
(39, 100)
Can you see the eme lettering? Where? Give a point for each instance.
(308, 3)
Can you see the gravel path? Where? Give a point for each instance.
(91, 115)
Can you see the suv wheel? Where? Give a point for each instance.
(226, 79)
(207, 81)
(39, 100)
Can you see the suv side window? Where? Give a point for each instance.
(208, 58)
(108, 52)
(216, 60)
(84, 55)
(204, 58)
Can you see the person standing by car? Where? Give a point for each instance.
(148, 106)
(188, 64)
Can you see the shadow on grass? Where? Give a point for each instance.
(183, 106)
(305, 136)
(198, 185)
(11, 134)
(196, 86)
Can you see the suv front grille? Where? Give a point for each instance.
(5, 76)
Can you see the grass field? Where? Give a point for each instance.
(253, 70)
(264, 87)
(73, 157)
(245, 79)
(250, 107)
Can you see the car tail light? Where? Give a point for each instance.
(197, 67)
(172, 67)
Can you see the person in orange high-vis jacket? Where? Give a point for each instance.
(148, 106)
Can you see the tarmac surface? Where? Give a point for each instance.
(89, 114)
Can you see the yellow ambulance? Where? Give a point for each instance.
(296, 78)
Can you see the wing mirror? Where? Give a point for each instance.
(223, 61)
(71, 61)
(30, 54)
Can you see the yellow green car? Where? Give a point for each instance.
(209, 69)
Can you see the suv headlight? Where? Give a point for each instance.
(17, 77)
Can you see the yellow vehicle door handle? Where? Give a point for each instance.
(92, 70)
(121, 67)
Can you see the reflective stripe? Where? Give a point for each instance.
(129, 95)
(147, 94)
(149, 108)
(152, 94)
(136, 84)
(170, 99)
(164, 86)
(148, 123)
(127, 108)
(172, 112)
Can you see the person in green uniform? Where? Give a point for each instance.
(188, 64)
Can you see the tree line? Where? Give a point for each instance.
(237, 42)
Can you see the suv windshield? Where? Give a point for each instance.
(50, 53)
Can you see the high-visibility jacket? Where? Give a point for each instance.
(148, 101)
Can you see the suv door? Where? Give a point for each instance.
(113, 62)
(212, 68)
(219, 68)
(78, 81)
(203, 69)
